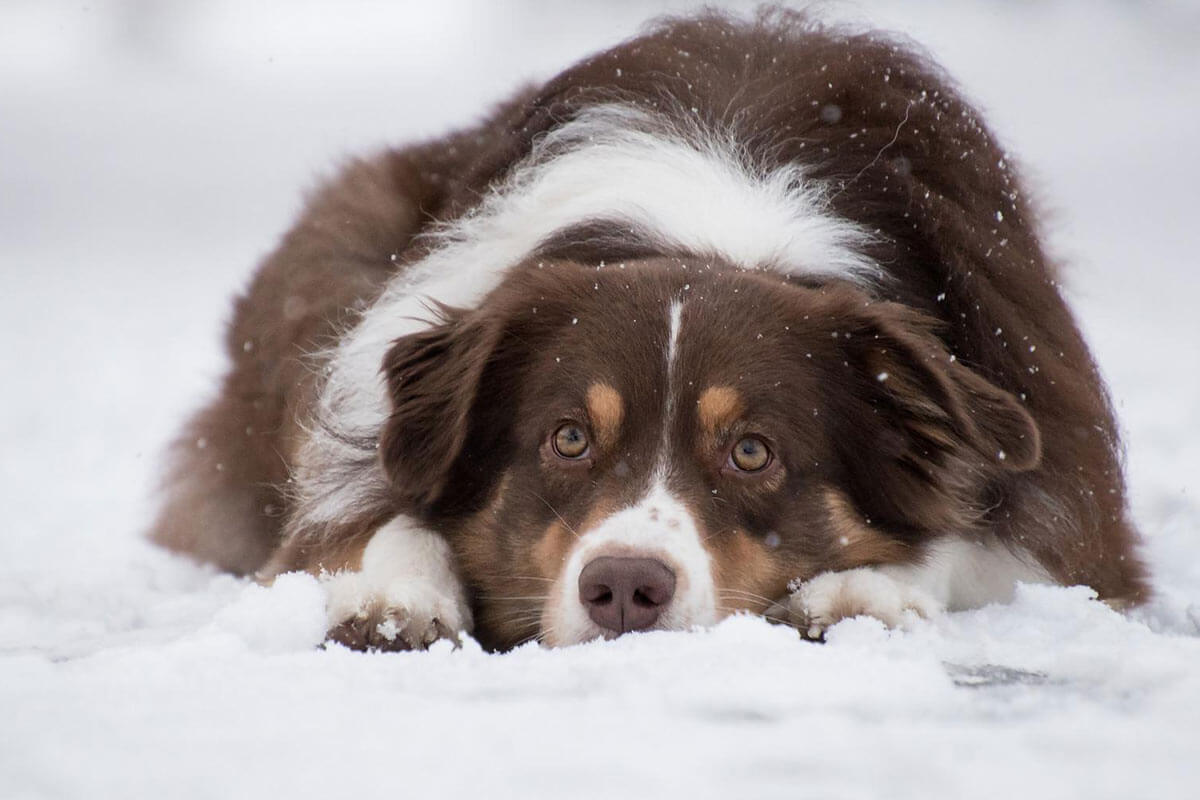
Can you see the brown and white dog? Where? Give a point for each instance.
(734, 316)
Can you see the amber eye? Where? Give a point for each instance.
(570, 441)
(750, 454)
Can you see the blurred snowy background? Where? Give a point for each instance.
(152, 150)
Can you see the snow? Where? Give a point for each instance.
(152, 152)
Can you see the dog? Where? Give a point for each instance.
(737, 316)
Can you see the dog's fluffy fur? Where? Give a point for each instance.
(720, 232)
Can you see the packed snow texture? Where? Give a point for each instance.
(153, 151)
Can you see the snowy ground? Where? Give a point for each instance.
(151, 152)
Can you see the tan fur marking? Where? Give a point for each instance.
(745, 573)
(552, 549)
(472, 543)
(856, 543)
(554, 546)
(718, 407)
(607, 410)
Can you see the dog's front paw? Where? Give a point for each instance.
(816, 604)
(403, 616)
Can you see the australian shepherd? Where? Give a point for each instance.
(738, 316)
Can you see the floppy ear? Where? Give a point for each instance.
(998, 425)
(937, 433)
(440, 396)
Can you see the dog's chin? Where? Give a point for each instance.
(561, 628)
(553, 637)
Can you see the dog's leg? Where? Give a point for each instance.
(405, 595)
(955, 574)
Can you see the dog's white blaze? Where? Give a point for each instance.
(674, 318)
(403, 566)
(674, 325)
(683, 188)
(659, 526)
(961, 574)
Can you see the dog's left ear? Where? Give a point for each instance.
(929, 426)
(998, 424)
(914, 374)
(447, 406)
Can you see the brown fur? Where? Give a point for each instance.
(992, 415)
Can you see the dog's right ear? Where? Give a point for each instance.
(436, 384)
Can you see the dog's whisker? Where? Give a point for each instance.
(516, 577)
(540, 598)
(516, 618)
(554, 511)
(731, 594)
(745, 595)
(517, 614)
(526, 631)
(741, 609)
(547, 632)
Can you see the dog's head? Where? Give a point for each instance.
(660, 443)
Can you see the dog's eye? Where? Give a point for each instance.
(750, 455)
(570, 441)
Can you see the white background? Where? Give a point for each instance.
(151, 152)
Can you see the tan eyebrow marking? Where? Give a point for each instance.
(607, 410)
(718, 407)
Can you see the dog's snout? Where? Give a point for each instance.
(626, 594)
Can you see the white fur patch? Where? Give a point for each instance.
(657, 527)
(960, 574)
(674, 320)
(955, 575)
(681, 187)
(674, 326)
(408, 573)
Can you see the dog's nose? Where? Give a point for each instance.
(626, 594)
